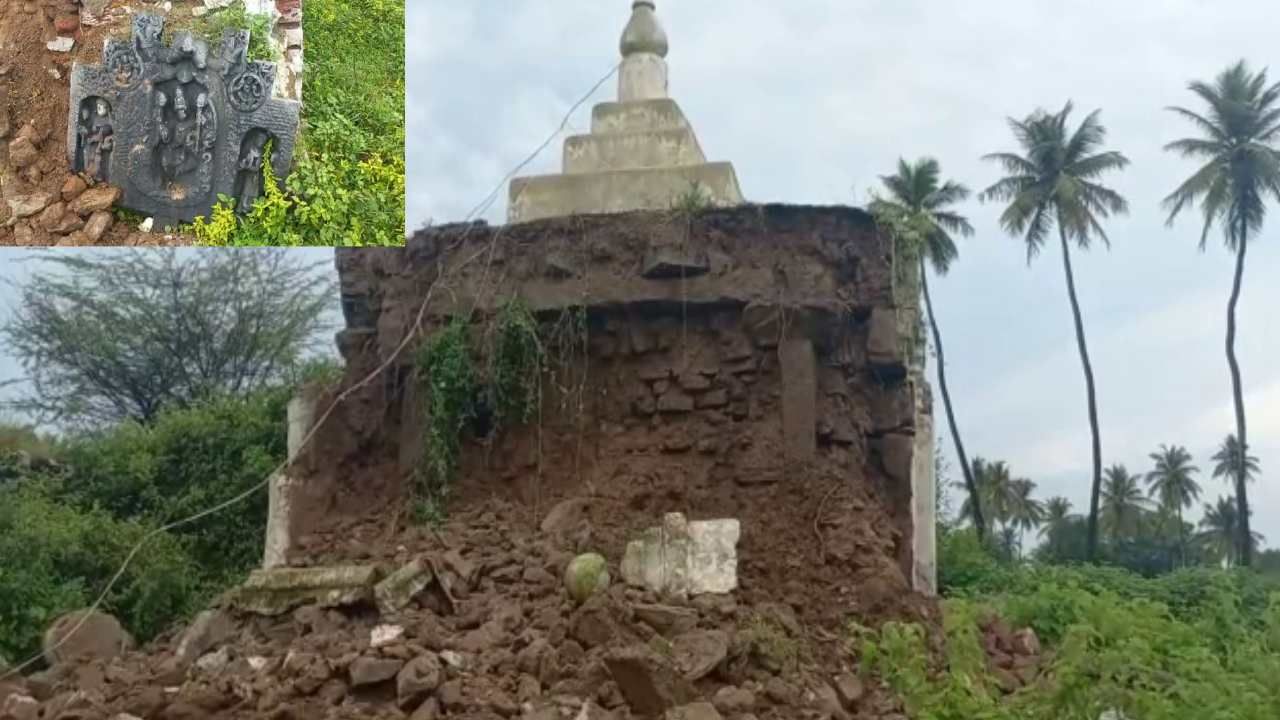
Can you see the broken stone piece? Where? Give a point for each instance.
(208, 630)
(694, 711)
(400, 587)
(371, 671)
(668, 620)
(700, 652)
(648, 681)
(385, 635)
(27, 205)
(685, 558)
(99, 637)
(279, 590)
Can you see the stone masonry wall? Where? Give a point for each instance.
(749, 357)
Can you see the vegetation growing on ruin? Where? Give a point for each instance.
(346, 187)
(470, 387)
(214, 23)
(448, 380)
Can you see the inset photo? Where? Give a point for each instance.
(202, 122)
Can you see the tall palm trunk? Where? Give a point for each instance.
(1242, 499)
(1093, 403)
(1182, 538)
(979, 523)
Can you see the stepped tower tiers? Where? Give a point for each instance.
(641, 153)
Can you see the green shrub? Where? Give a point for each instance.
(1191, 645)
(185, 462)
(55, 558)
(965, 566)
(347, 184)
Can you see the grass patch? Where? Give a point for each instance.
(769, 642)
(210, 27)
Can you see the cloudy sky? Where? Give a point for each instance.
(814, 99)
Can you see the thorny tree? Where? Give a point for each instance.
(119, 335)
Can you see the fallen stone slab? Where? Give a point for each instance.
(683, 558)
(279, 590)
(400, 587)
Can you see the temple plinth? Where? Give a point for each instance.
(641, 153)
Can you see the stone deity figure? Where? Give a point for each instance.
(83, 126)
(206, 134)
(99, 141)
(161, 136)
(250, 173)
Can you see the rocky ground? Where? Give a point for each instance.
(474, 620)
(39, 42)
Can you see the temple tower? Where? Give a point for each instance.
(641, 153)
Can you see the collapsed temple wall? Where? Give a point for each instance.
(745, 362)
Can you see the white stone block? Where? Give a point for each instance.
(684, 558)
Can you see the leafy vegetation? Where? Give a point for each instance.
(124, 335)
(462, 392)
(55, 557)
(213, 24)
(67, 524)
(1196, 643)
(347, 185)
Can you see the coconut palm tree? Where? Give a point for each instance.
(1226, 462)
(1055, 183)
(1057, 517)
(1239, 134)
(1220, 531)
(1057, 510)
(921, 201)
(1171, 482)
(1025, 512)
(995, 491)
(1122, 503)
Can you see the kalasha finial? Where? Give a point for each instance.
(644, 34)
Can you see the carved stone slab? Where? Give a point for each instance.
(175, 127)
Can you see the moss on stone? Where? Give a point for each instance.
(586, 575)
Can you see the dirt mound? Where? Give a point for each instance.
(494, 634)
(35, 76)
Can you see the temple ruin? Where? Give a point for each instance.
(754, 362)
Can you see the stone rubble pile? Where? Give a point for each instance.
(78, 215)
(495, 621)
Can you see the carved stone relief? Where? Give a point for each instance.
(178, 126)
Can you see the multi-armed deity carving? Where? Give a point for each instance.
(178, 126)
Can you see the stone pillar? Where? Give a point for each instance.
(281, 489)
(799, 398)
(924, 497)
